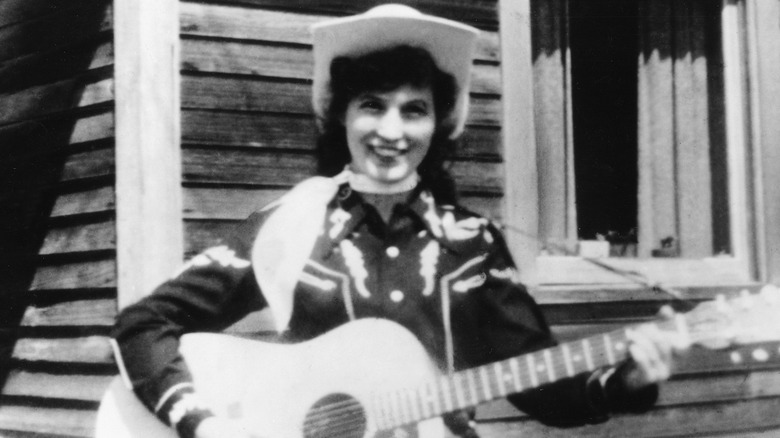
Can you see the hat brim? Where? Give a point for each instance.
(450, 44)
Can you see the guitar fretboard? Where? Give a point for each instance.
(474, 386)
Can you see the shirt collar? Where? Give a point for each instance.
(421, 207)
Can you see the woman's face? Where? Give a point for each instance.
(389, 132)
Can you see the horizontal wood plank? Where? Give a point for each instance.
(54, 98)
(89, 164)
(43, 421)
(268, 130)
(572, 294)
(276, 26)
(234, 203)
(92, 128)
(79, 275)
(98, 200)
(71, 313)
(246, 166)
(88, 350)
(241, 94)
(714, 271)
(59, 386)
(80, 238)
(65, 27)
(56, 133)
(55, 65)
(286, 62)
(199, 235)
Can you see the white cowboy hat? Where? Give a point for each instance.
(451, 44)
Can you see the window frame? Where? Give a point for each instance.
(521, 173)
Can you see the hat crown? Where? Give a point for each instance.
(393, 10)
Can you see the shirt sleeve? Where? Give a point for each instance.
(512, 323)
(214, 290)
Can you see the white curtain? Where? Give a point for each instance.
(675, 199)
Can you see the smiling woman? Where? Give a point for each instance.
(378, 235)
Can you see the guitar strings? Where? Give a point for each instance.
(340, 415)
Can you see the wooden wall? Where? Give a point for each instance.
(247, 127)
(57, 270)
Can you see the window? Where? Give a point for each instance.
(639, 121)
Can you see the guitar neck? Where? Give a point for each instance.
(474, 386)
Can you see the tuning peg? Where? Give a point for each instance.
(720, 303)
(770, 293)
(746, 299)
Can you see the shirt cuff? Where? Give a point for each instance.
(617, 398)
(182, 409)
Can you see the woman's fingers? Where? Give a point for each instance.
(651, 353)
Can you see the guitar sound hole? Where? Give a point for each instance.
(337, 415)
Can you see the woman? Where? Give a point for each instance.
(391, 93)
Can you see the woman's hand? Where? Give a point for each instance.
(651, 353)
(220, 427)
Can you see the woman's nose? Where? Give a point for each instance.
(390, 125)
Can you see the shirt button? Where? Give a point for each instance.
(392, 251)
(396, 296)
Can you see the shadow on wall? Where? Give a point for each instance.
(47, 61)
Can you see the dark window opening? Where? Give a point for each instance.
(603, 38)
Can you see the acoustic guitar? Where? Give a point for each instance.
(372, 378)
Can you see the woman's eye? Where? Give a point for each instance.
(371, 104)
(416, 110)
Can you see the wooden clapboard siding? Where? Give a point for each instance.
(34, 422)
(58, 202)
(259, 94)
(247, 126)
(480, 13)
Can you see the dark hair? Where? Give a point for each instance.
(387, 70)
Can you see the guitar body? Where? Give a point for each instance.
(278, 390)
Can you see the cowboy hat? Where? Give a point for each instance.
(450, 44)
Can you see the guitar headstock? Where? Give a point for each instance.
(745, 319)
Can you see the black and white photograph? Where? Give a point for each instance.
(389, 218)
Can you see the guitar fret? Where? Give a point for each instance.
(472, 386)
(378, 410)
(498, 372)
(445, 389)
(532, 370)
(424, 400)
(588, 354)
(550, 369)
(416, 401)
(485, 383)
(608, 348)
(403, 400)
(396, 407)
(390, 416)
(567, 360)
(459, 396)
(514, 365)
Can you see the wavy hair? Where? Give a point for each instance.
(386, 70)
